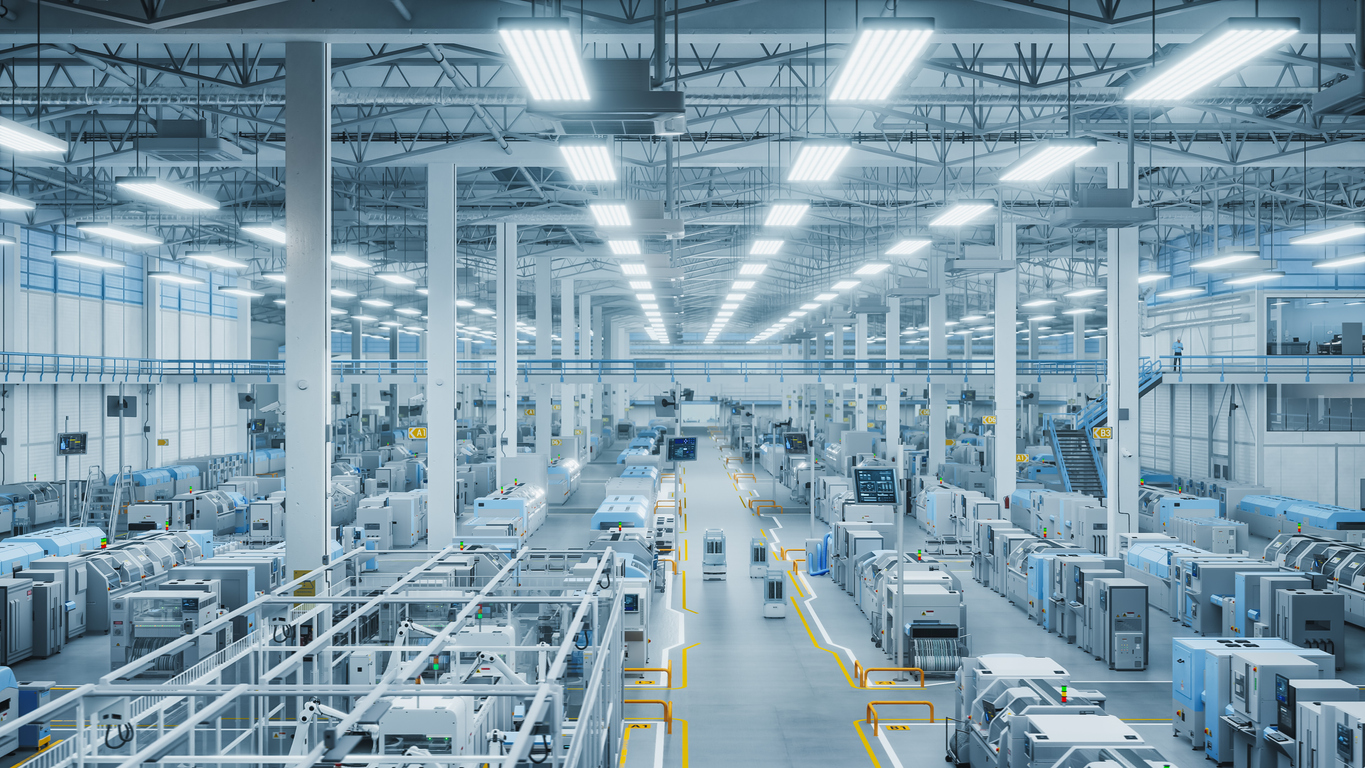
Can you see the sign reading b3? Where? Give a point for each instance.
(1102, 433)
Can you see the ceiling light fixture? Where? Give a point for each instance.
(349, 261)
(1329, 235)
(1078, 311)
(119, 233)
(173, 195)
(408, 311)
(765, 248)
(962, 212)
(1038, 303)
(1206, 61)
(215, 260)
(786, 213)
(464, 303)
(810, 305)
(742, 285)
(909, 246)
(1259, 277)
(341, 294)
(641, 285)
(1223, 260)
(175, 277)
(1343, 261)
(1083, 292)
(624, 247)
(633, 269)
(86, 260)
(1152, 277)
(266, 232)
(644, 297)
(844, 285)
(394, 278)
(23, 139)
(274, 277)
(1048, 159)
(545, 56)
(12, 203)
(883, 51)
(588, 161)
(817, 160)
(826, 296)
(243, 292)
(1179, 292)
(610, 214)
(380, 303)
(752, 269)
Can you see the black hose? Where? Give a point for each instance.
(545, 744)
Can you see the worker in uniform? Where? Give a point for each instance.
(1176, 349)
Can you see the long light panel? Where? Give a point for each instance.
(962, 212)
(21, 138)
(152, 188)
(588, 161)
(610, 214)
(545, 56)
(1208, 60)
(1048, 159)
(909, 246)
(122, 235)
(786, 213)
(1329, 235)
(882, 53)
(818, 160)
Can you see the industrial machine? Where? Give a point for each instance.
(164, 515)
(16, 634)
(523, 502)
(265, 520)
(774, 590)
(146, 621)
(758, 558)
(713, 554)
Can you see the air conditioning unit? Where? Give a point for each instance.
(187, 141)
(621, 104)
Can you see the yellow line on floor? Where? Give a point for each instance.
(684, 665)
(684, 592)
(837, 660)
(870, 754)
(796, 584)
(686, 758)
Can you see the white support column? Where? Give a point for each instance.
(860, 390)
(893, 388)
(620, 350)
(442, 383)
(938, 350)
(599, 347)
(568, 351)
(582, 413)
(307, 324)
(1006, 367)
(505, 383)
(544, 351)
(1122, 381)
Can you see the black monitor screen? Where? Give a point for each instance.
(874, 485)
(682, 449)
(795, 442)
(1346, 743)
(71, 443)
(256, 425)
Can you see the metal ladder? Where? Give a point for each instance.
(105, 504)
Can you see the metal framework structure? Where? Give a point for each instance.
(416, 82)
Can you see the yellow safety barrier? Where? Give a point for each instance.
(673, 561)
(768, 506)
(863, 673)
(785, 550)
(668, 671)
(751, 502)
(872, 712)
(668, 709)
(736, 476)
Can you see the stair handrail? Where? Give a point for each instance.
(121, 482)
(94, 478)
(1050, 430)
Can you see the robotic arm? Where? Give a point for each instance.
(313, 711)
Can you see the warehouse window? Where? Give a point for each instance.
(1287, 410)
(203, 299)
(39, 271)
(407, 344)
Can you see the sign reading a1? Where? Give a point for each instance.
(417, 433)
(987, 419)
(1022, 458)
(1102, 433)
(530, 411)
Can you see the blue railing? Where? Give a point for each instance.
(38, 367)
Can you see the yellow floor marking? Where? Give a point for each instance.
(686, 758)
(625, 742)
(870, 754)
(813, 642)
(684, 666)
(684, 592)
(797, 585)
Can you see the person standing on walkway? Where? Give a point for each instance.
(1176, 350)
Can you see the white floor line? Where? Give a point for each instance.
(659, 745)
(890, 753)
(809, 608)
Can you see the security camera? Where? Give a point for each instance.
(274, 407)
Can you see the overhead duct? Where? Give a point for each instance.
(1196, 305)
(1203, 321)
(1348, 96)
(1102, 209)
(187, 141)
(622, 103)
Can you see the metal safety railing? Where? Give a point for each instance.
(872, 718)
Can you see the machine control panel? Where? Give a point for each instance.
(795, 442)
(682, 449)
(874, 485)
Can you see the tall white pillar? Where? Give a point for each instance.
(1122, 380)
(893, 388)
(544, 351)
(582, 407)
(1006, 367)
(938, 351)
(568, 351)
(308, 324)
(620, 350)
(441, 367)
(860, 390)
(505, 382)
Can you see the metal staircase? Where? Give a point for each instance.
(106, 505)
(1078, 455)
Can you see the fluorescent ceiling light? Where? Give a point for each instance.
(8, 240)
(826, 296)
(640, 285)
(12, 203)
(817, 160)
(735, 296)
(391, 324)
(948, 323)
(810, 305)
(725, 313)
(610, 214)
(395, 279)
(545, 56)
(173, 195)
(266, 232)
(175, 277)
(764, 248)
(972, 318)
(214, 260)
(336, 311)
(1038, 303)
(588, 161)
(464, 303)
(408, 311)
(1083, 292)
(235, 291)
(279, 302)
(844, 285)
(86, 260)
(742, 285)
(340, 294)
(649, 306)
(786, 213)
(1152, 277)
(485, 311)
(962, 212)
(798, 313)
(1048, 159)
(752, 269)
(119, 233)
(732, 305)
(349, 261)
(366, 318)
(423, 291)
(644, 297)
(1078, 311)
(871, 269)
(1344, 261)
(1329, 235)
(1040, 318)
(633, 269)
(274, 277)
(1208, 60)
(379, 303)
(1178, 292)
(883, 51)
(1223, 260)
(909, 246)
(21, 138)
(624, 247)
(1259, 277)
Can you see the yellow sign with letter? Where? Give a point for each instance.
(417, 433)
(1021, 458)
(1102, 433)
(987, 419)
